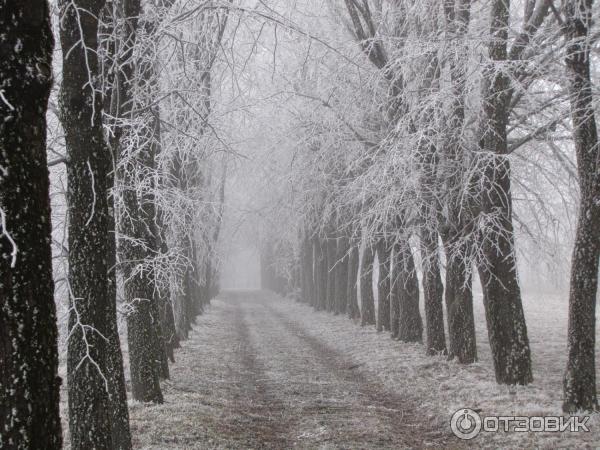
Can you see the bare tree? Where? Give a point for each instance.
(89, 222)
(29, 383)
(580, 376)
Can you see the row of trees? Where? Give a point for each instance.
(145, 193)
(416, 170)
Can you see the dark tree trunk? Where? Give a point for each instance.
(367, 302)
(183, 299)
(194, 303)
(163, 353)
(314, 288)
(143, 319)
(342, 275)
(168, 327)
(321, 275)
(458, 292)
(459, 306)
(88, 227)
(142, 337)
(406, 322)
(331, 272)
(352, 289)
(137, 223)
(384, 255)
(433, 291)
(501, 292)
(580, 377)
(307, 269)
(162, 293)
(29, 383)
(117, 395)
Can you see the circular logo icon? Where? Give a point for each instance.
(465, 424)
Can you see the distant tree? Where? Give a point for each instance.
(407, 325)
(321, 274)
(384, 255)
(342, 274)
(332, 270)
(352, 287)
(367, 301)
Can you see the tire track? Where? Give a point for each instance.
(402, 425)
(258, 412)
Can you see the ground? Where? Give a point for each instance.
(264, 372)
(254, 376)
(260, 371)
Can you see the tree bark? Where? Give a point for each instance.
(88, 226)
(314, 294)
(182, 301)
(458, 291)
(117, 393)
(433, 291)
(136, 221)
(342, 275)
(29, 382)
(321, 275)
(352, 289)
(331, 272)
(384, 253)
(407, 325)
(307, 268)
(163, 353)
(580, 376)
(501, 292)
(459, 306)
(367, 302)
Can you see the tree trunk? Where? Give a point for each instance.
(459, 306)
(117, 393)
(307, 269)
(181, 306)
(321, 275)
(580, 377)
(331, 272)
(433, 291)
(385, 282)
(501, 292)
(458, 292)
(136, 223)
(143, 320)
(406, 323)
(314, 288)
(367, 302)
(163, 353)
(29, 383)
(88, 226)
(342, 275)
(352, 289)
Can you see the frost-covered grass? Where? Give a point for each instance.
(272, 373)
(445, 386)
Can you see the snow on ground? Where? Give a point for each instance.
(444, 386)
(264, 372)
(253, 377)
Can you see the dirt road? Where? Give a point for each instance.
(251, 376)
